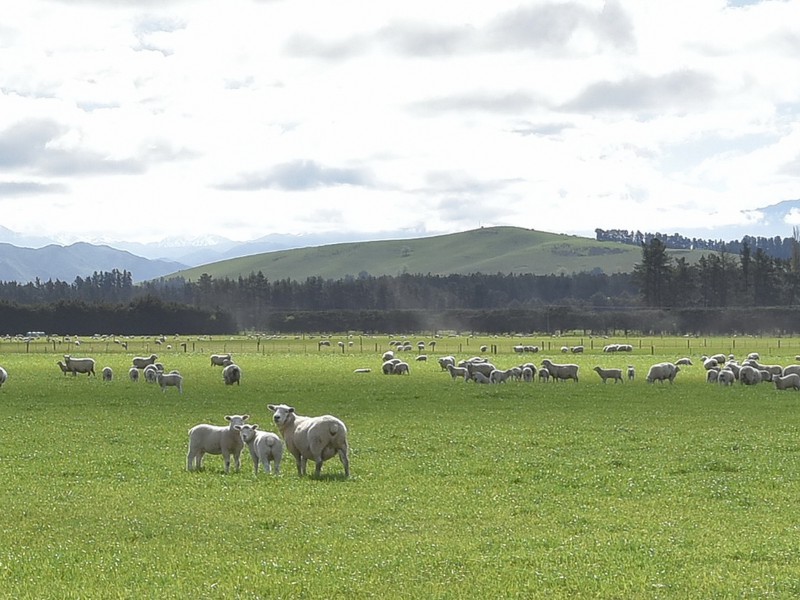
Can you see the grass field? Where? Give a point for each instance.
(458, 490)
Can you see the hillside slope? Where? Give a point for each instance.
(485, 250)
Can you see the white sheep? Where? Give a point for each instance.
(362, 370)
(216, 439)
(446, 360)
(785, 382)
(107, 373)
(711, 375)
(631, 373)
(789, 369)
(456, 372)
(615, 374)
(665, 371)
(484, 368)
(133, 373)
(3, 376)
(63, 367)
(544, 375)
(684, 361)
(401, 368)
(140, 362)
(166, 380)
(498, 376)
(479, 377)
(388, 355)
(558, 372)
(264, 446)
(749, 375)
(316, 438)
(232, 374)
(527, 374)
(79, 365)
(576, 349)
(219, 360)
(725, 377)
(151, 373)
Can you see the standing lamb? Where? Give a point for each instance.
(315, 438)
(108, 373)
(166, 380)
(263, 445)
(232, 374)
(615, 374)
(215, 439)
(133, 373)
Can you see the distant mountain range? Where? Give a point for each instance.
(23, 258)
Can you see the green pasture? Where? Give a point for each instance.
(518, 490)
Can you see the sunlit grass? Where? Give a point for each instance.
(457, 490)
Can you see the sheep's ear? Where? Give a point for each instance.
(245, 417)
(291, 409)
(227, 417)
(254, 426)
(271, 407)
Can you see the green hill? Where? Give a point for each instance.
(485, 250)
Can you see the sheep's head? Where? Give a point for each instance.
(283, 413)
(248, 432)
(235, 420)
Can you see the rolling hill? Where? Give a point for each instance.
(485, 250)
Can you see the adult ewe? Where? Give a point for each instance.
(79, 365)
(665, 371)
(215, 439)
(232, 374)
(140, 362)
(558, 372)
(221, 360)
(316, 438)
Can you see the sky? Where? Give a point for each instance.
(140, 120)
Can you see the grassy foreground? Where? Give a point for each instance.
(458, 490)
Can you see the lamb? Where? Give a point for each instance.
(684, 361)
(3, 376)
(62, 366)
(218, 360)
(785, 382)
(79, 365)
(631, 373)
(264, 447)
(558, 372)
(725, 377)
(140, 362)
(133, 373)
(711, 375)
(216, 439)
(615, 374)
(232, 374)
(316, 438)
(527, 374)
(151, 373)
(498, 376)
(662, 372)
(479, 377)
(388, 355)
(544, 375)
(108, 374)
(446, 360)
(166, 380)
(456, 372)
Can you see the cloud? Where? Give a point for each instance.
(299, 175)
(676, 90)
(306, 46)
(32, 145)
(489, 102)
(424, 40)
(26, 188)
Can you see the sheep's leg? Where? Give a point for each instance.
(226, 458)
(318, 469)
(266, 466)
(189, 461)
(277, 467)
(255, 464)
(345, 461)
(237, 460)
(301, 465)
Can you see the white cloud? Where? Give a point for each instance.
(246, 118)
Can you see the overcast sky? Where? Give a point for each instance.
(141, 119)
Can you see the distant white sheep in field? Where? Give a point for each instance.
(458, 372)
(726, 377)
(216, 439)
(665, 371)
(264, 446)
(3, 376)
(150, 374)
(108, 373)
(631, 373)
(79, 365)
(166, 380)
(786, 382)
(558, 372)
(315, 438)
(684, 361)
(401, 368)
(615, 374)
(446, 360)
(133, 373)
(141, 362)
(232, 374)
(220, 360)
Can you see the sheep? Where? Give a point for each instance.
(576, 349)
(558, 372)
(218, 360)
(631, 373)
(3, 376)
(401, 368)
(615, 374)
(133, 373)
(388, 355)
(446, 360)
(150, 373)
(315, 438)
(216, 439)
(232, 374)
(484, 368)
(140, 362)
(725, 377)
(789, 369)
(479, 377)
(484, 348)
(498, 376)
(362, 370)
(422, 358)
(388, 367)
(166, 380)
(63, 367)
(456, 372)
(684, 361)
(264, 447)
(662, 371)
(107, 373)
(720, 358)
(754, 356)
(544, 374)
(785, 382)
(710, 363)
(711, 375)
(79, 365)
(749, 375)
(527, 374)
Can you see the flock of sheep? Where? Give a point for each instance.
(725, 370)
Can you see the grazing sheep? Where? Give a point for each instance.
(232, 374)
(725, 377)
(264, 447)
(422, 357)
(166, 380)
(527, 374)
(749, 375)
(558, 372)
(363, 370)
(720, 358)
(754, 356)
(484, 368)
(631, 373)
(498, 376)
(80, 365)
(544, 375)
(107, 373)
(315, 438)
(576, 349)
(484, 348)
(456, 372)
(151, 373)
(710, 363)
(789, 369)
(446, 360)
(401, 368)
(3, 376)
(141, 362)
(615, 374)
(711, 375)
(133, 373)
(216, 439)
(63, 367)
(684, 361)
(479, 377)
(662, 372)
(785, 382)
(218, 360)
